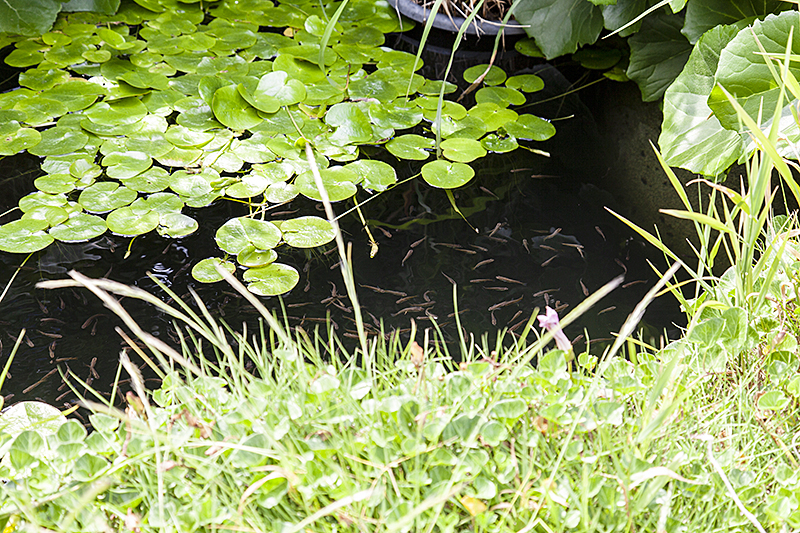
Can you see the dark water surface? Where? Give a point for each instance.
(543, 238)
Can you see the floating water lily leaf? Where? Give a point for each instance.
(105, 196)
(495, 76)
(370, 87)
(251, 185)
(60, 140)
(79, 227)
(50, 214)
(597, 58)
(85, 168)
(498, 144)
(462, 150)
(530, 127)
(239, 233)
(493, 115)
(398, 115)
(298, 69)
(340, 183)
(254, 149)
(24, 236)
(250, 257)
(117, 113)
(232, 110)
(36, 199)
(375, 175)
(14, 138)
(528, 83)
(39, 79)
(502, 96)
(189, 184)
(187, 138)
(176, 225)
(205, 271)
(279, 86)
(352, 125)
(468, 127)
(154, 179)
(145, 79)
(447, 175)
(279, 193)
(434, 87)
(39, 110)
(180, 157)
(410, 147)
(55, 183)
(449, 108)
(123, 165)
(271, 280)
(76, 93)
(127, 222)
(307, 232)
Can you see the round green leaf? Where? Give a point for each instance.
(176, 225)
(14, 138)
(129, 223)
(271, 280)
(24, 236)
(40, 79)
(307, 232)
(773, 400)
(493, 115)
(206, 272)
(50, 214)
(375, 175)
(434, 87)
(122, 165)
(36, 199)
(527, 83)
(495, 76)
(55, 183)
(340, 183)
(279, 86)
(105, 196)
(370, 87)
(232, 110)
(528, 47)
(121, 112)
(60, 140)
(189, 184)
(397, 115)
(446, 175)
(498, 144)
(238, 233)
(154, 179)
(410, 147)
(530, 127)
(597, 58)
(187, 138)
(250, 257)
(281, 192)
(502, 96)
(79, 227)
(462, 150)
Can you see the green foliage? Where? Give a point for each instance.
(165, 105)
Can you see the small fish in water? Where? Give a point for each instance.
(509, 280)
(606, 310)
(548, 261)
(600, 232)
(583, 287)
(417, 243)
(385, 232)
(451, 280)
(408, 254)
(632, 283)
(484, 262)
(525, 245)
(555, 232)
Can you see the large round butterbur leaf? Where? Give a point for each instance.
(495, 75)
(206, 270)
(24, 236)
(339, 182)
(79, 227)
(105, 196)
(410, 147)
(530, 127)
(462, 150)
(271, 280)
(240, 233)
(447, 175)
(307, 232)
(375, 175)
(232, 110)
(250, 257)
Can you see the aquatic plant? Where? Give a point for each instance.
(166, 105)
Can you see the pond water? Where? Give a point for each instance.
(543, 238)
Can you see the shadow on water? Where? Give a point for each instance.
(543, 238)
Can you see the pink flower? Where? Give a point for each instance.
(549, 321)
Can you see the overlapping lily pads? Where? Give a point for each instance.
(196, 105)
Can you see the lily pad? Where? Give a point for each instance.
(239, 233)
(79, 227)
(24, 236)
(60, 140)
(375, 175)
(410, 147)
(495, 76)
(176, 225)
(271, 280)
(189, 184)
(122, 165)
(462, 150)
(251, 257)
(398, 115)
(127, 222)
(50, 214)
(154, 179)
(55, 183)
(496, 143)
(105, 196)
(352, 125)
(527, 83)
(447, 175)
(339, 182)
(116, 113)
(307, 232)
(502, 96)
(14, 138)
(205, 271)
(187, 138)
(232, 110)
(493, 115)
(281, 192)
(279, 86)
(530, 127)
